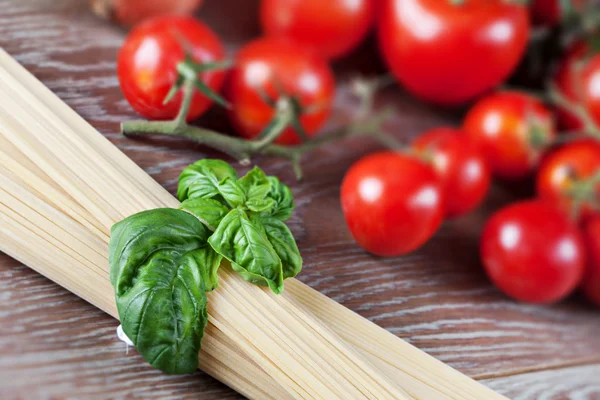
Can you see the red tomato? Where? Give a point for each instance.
(512, 129)
(264, 64)
(147, 65)
(562, 169)
(532, 252)
(568, 81)
(545, 12)
(578, 79)
(332, 28)
(448, 53)
(131, 12)
(591, 87)
(392, 203)
(591, 278)
(460, 166)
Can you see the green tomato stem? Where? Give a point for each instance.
(590, 128)
(283, 118)
(367, 124)
(188, 92)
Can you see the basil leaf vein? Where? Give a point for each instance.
(210, 212)
(283, 243)
(250, 252)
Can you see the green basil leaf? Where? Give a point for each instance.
(210, 179)
(284, 201)
(210, 212)
(256, 187)
(161, 267)
(283, 243)
(207, 261)
(248, 249)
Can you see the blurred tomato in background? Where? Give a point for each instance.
(566, 178)
(130, 12)
(532, 252)
(449, 53)
(512, 129)
(330, 27)
(578, 79)
(461, 168)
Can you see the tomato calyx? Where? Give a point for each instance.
(188, 72)
(288, 110)
(584, 192)
(366, 122)
(539, 135)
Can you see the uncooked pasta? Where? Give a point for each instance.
(62, 187)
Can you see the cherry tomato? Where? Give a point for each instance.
(392, 203)
(131, 12)
(332, 28)
(591, 278)
(591, 87)
(512, 129)
(561, 171)
(578, 79)
(460, 166)
(147, 65)
(450, 53)
(532, 252)
(269, 66)
(568, 82)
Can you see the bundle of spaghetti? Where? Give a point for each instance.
(63, 185)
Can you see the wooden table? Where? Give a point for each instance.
(54, 345)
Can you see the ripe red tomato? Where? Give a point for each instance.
(532, 252)
(578, 79)
(591, 278)
(567, 79)
(450, 53)
(131, 12)
(591, 87)
(392, 203)
(563, 168)
(332, 28)
(512, 129)
(147, 65)
(460, 166)
(262, 66)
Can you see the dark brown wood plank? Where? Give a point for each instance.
(437, 298)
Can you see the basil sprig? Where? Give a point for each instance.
(253, 235)
(164, 261)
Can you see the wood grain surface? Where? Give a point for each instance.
(54, 345)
